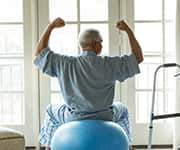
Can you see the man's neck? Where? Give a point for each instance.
(88, 49)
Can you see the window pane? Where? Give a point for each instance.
(94, 10)
(170, 9)
(54, 84)
(159, 103)
(11, 108)
(67, 9)
(143, 105)
(148, 9)
(11, 39)
(64, 40)
(11, 75)
(170, 59)
(11, 10)
(56, 98)
(149, 36)
(170, 80)
(170, 38)
(171, 99)
(143, 100)
(145, 79)
(103, 29)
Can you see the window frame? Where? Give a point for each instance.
(163, 56)
(45, 85)
(159, 136)
(30, 126)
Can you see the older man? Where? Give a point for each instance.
(88, 81)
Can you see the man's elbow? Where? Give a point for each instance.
(140, 59)
(38, 50)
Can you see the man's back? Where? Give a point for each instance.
(87, 82)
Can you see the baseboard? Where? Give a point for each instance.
(155, 146)
(30, 147)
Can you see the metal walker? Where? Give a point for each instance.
(156, 117)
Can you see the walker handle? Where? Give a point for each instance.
(169, 65)
(178, 74)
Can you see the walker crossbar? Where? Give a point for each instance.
(155, 117)
(166, 116)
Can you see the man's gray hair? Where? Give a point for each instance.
(87, 36)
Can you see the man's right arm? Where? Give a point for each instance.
(135, 47)
(46, 60)
(44, 40)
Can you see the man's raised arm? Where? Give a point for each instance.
(44, 40)
(135, 47)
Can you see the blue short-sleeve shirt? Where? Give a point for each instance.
(87, 82)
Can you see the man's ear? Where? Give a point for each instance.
(94, 44)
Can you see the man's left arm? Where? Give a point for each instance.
(135, 47)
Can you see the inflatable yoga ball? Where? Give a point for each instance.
(89, 135)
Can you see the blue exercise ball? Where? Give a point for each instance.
(90, 135)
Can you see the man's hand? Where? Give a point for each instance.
(57, 23)
(122, 25)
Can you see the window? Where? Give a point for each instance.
(155, 30)
(79, 15)
(18, 105)
(11, 63)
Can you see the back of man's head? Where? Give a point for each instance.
(87, 36)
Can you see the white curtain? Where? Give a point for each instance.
(177, 120)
